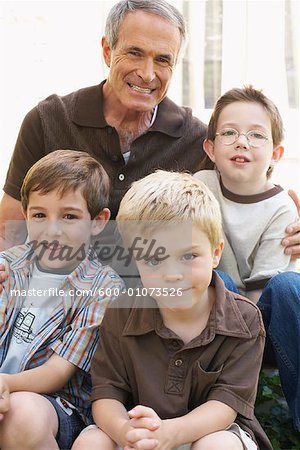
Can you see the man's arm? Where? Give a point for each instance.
(12, 223)
(29, 148)
(291, 243)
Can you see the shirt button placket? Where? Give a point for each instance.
(178, 362)
(176, 376)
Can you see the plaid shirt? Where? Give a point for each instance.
(72, 330)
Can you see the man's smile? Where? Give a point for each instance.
(140, 89)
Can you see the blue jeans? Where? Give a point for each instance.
(70, 425)
(280, 307)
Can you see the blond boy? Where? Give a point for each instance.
(179, 358)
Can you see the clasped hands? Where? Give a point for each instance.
(146, 431)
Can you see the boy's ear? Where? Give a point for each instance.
(106, 50)
(24, 212)
(277, 153)
(217, 254)
(209, 149)
(100, 221)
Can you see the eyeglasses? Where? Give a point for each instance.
(255, 138)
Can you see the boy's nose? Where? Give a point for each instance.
(53, 228)
(242, 141)
(173, 276)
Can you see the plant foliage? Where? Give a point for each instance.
(272, 412)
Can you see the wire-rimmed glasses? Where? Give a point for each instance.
(255, 138)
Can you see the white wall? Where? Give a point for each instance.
(54, 47)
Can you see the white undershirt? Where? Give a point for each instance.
(126, 155)
(36, 309)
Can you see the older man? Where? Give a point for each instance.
(126, 122)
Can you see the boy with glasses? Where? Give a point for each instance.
(244, 141)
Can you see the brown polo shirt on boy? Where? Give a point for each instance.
(140, 361)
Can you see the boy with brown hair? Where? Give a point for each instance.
(179, 356)
(51, 304)
(244, 140)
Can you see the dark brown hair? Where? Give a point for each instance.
(68, 170)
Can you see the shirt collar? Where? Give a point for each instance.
(170, 118)
(225, 318)
(88, 112)
(21, 258)
(84, 274)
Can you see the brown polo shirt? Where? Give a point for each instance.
(76, 122)
(140, 361)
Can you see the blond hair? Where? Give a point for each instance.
(171, 196)
(68, 170)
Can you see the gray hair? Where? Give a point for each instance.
(159, 7)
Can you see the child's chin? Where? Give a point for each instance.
(57, 266)
(176, 305)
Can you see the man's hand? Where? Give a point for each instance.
(150, 432)
(4, 397)
(292, 242)
(12, 224)
(3, 276)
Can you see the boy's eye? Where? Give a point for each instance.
(70, 216)
(257, 135)
(228, 133)
(153, 262)
(38, 216)
(188, 257)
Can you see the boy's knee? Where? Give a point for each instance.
(221, 440)
(30, 419)
(92, 438)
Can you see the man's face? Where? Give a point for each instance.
(142, 63)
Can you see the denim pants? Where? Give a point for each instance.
(280, 307)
